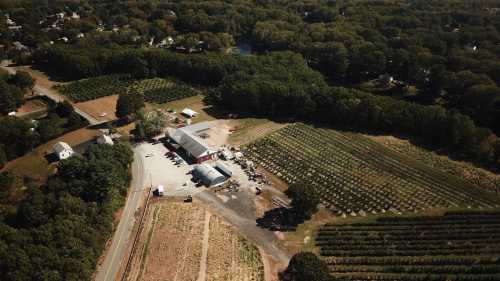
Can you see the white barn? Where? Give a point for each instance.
(63, 150)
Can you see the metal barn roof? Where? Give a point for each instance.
(223, 169)
(208, 175)
(197, 128)
(194, 145)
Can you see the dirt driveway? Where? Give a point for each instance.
(239, 209)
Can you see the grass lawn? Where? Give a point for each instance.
(195, 103)
(250, 129)
(34, 165)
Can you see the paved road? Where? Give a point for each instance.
(43, 91)
(123, 236)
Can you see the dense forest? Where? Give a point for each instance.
(58, 231)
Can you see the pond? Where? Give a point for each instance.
(243, 49)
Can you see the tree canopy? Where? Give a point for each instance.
(306, 266)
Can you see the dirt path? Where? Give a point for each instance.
(246, 225)
(204, 250)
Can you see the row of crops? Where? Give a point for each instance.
(355, 175)
(455, 246)
(161, 90)
(93, 88)
(155, 90)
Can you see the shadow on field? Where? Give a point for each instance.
(279, 219)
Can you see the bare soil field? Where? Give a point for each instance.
(102, 109)
(31, 106)
(182, 242)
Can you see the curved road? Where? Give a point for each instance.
(123, 235)
(49, 93)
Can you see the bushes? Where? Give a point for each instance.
(351, 173)
(306, 266)
(93, 88)
(462, 244)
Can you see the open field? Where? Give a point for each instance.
(182, 241)
(31, 106)
(355, 175)
(35, 165)
(231, 256)
(250, 129)
(467, 171)
(195, 103)
(101, 106)
(459, 245)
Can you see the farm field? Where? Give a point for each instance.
(250, 129)
(93, 88)
(32, 106)
(182, 241)
(467, 171)
(155, 90)
(357, 176)
(231, 256)
(459, 245)
(102, 109)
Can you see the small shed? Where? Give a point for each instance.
(105, 139)
(63, 150)
(223, 169)
(189, 112)
(160, 190)
(208, 175)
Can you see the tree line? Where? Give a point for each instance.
(282, 85)
(444, 53)
(58, 231)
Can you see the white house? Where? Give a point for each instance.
(63, 150)
(189, 112)
(105, 139)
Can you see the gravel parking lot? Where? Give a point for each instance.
(161, 170)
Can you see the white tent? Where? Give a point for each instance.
(189, 112)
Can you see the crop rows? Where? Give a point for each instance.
(455, 246)
(355, 175)
(93, 88)
(155, 90)
(161, 91)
